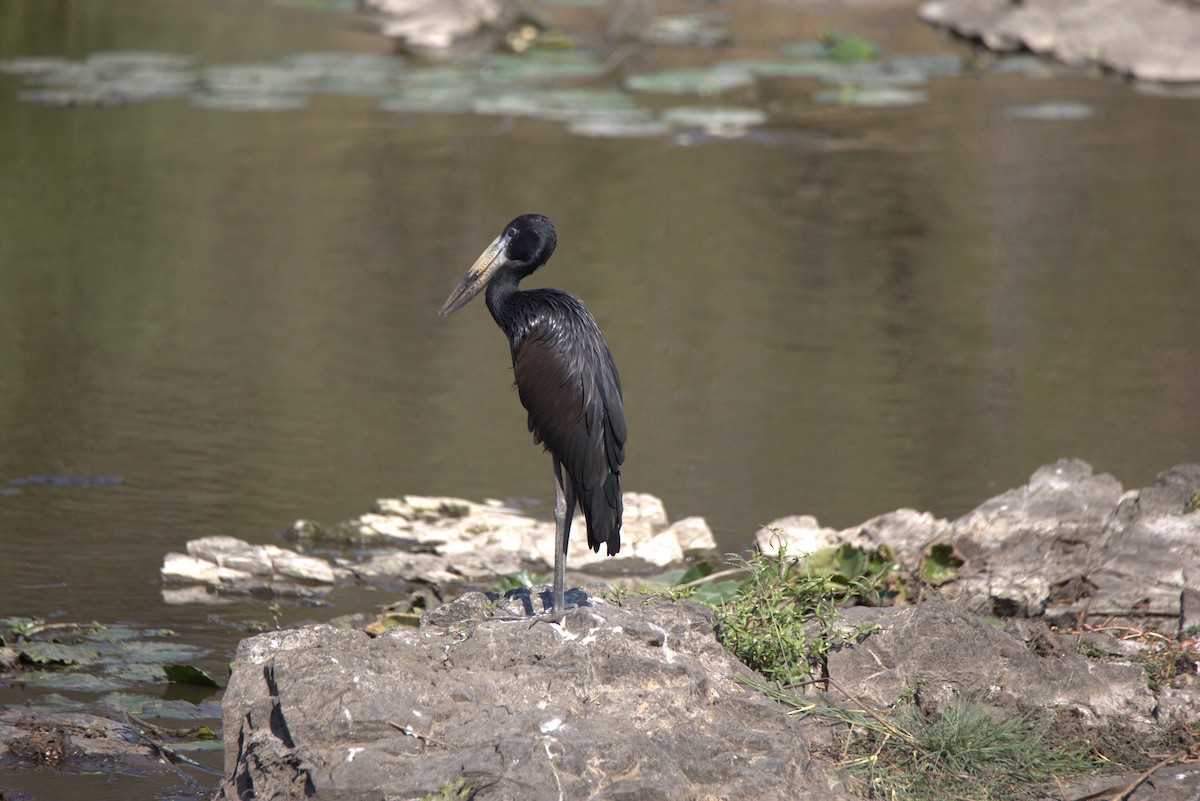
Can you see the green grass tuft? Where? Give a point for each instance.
(968, 749)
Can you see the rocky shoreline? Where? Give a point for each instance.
(1068, 596)
(634, 696)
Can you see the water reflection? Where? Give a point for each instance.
(235, 314)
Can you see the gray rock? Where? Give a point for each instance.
(76, 741)
(941, 652)
(1072, 546)
(1026, 543)
(432, 26)
(230, 565)
(1069, 545)
(1151, 40)
(630, 701)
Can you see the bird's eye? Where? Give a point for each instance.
(511, 233)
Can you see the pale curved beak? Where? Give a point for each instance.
(478, 276)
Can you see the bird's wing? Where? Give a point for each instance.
(569, 385)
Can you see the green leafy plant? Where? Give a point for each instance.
(781, 621)
(460, 789)
(939, 564)
(856, 574)
(843, 46)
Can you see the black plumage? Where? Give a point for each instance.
(566, 379)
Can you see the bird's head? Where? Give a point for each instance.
(526, 244)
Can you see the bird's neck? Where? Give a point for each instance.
(501, 295)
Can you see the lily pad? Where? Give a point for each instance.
(431, 99)
(150, 706)
(559, 104)
(248, 101)
(710, 81)
(539, 66)
(618, 128)
(140, 61)
(871, 97)
(1050, 111)
(54, 654)
(256, 79)
(361, 74)
(186, 674)
(930, 64)
(97, 658)
(32, 65)
(805, 49)
(821, 70)
(717, 120)
(73, 681)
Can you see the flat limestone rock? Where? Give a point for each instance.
(1151, 40)
(631, 701)
(449, 543)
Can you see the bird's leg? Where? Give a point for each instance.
(564, 506)
(564, 511)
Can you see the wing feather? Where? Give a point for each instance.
(568, 383)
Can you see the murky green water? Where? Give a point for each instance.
(850, 311)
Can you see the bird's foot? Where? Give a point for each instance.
(548, 616)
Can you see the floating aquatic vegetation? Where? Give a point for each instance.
(187, 674)
(821, 70)
(931, 64)
(247, 101)
(805, 49)
(130, 61)
(152, 707)
(104, 79)
(32, 65)
(95, 658)
(702, 30)
(618, 128)
(256, 78)
(560, 104)
(704, 81)
(254, 87)
(871, 96)
(363, 74)
(540, 66)
(433, 91)
(725, 121)
(1051, 111)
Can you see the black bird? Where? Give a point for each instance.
(566, 378)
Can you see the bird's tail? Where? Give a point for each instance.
(602, 510)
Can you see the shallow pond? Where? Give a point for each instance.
(825, 296)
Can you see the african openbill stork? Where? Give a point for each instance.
(566, 379)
